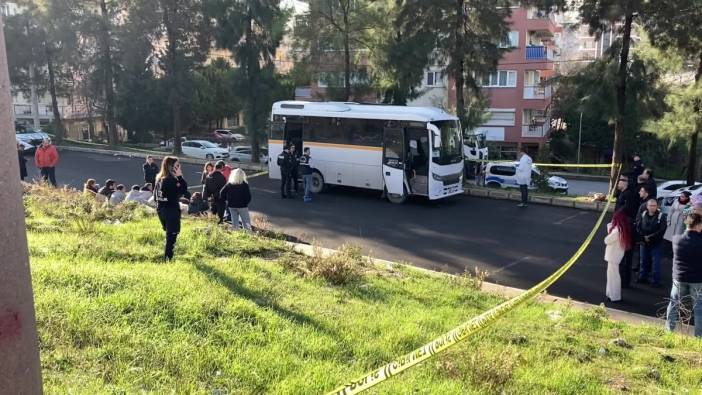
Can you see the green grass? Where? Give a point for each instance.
(232, 315)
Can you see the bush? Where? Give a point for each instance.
(344, 266)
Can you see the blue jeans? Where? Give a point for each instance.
(678, 293)
(652, 253)
(242, 213)
(307, 178)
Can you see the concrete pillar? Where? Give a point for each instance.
(19, 354)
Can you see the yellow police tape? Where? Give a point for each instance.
(584, 165)
(467, 328)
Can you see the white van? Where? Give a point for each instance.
(504, 175)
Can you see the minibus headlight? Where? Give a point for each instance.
(436, 177)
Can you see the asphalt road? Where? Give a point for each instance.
(517, 247)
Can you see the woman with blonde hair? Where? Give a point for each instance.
(238, 196)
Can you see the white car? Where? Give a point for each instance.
(665, 189)
(242, 153)
(33, 138)
(504, 175)
(204, 149)
(694, 190)
(26, 147)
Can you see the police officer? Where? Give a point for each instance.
(295, 173)
(305, 170)
(286, 161)
(169, 187)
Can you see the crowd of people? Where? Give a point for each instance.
(638, 224)
(225, 194)
(292, 166)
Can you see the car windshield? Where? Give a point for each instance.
(695, 187)
(207, 144)
(451, 150)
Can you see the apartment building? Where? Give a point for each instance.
(519, 90)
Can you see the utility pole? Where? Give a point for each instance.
(19, 353)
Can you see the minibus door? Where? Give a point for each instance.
(393, 161)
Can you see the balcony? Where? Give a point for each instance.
(535, 131)
(537, 91)
(540, 21)
(539, 53)
(24, 111)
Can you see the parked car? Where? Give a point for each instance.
(26, 147)
(204, 149)
(668, 201)
(504, 175)
(242, 153)
(667, 188)
(33, 138)
(226, 135)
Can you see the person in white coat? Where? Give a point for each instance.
(676, 217)
(524, 175)
(617, 242)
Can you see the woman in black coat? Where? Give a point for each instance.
(22, 163)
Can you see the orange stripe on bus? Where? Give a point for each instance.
(311, 144)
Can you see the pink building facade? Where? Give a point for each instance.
(520, 97)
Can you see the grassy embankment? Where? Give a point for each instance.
(240, 313)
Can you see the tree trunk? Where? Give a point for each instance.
(59, 130)
(172, 73)
(622, 74)
(458, 61)
(108, 78)
(33, 97)
(20, 371)
(347, 56)
(692, 155)
(252, 72)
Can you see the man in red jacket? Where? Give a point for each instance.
(46, 159)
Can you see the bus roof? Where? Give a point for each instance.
(364, 111)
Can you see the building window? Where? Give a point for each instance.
(435, 78)
(532, 78)
(533, 117)
(511, 41)
(500, 79)
(500, 117)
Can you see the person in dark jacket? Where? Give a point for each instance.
(286, 161)
(169, 188)
(627, 202)
(108, 189)
(305, 167)
(687, 273)
(646, 180)
(22, 163)
(214, 182)
(294, 172)
(197, 205)
(150, 170)
(238, 196)
(651, 227)
(638, 167)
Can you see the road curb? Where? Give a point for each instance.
(155, 154)
(502, 290)
(502, 194)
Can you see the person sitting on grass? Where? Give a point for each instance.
(197, 205)
(108, 189)
(90, 187)
(118, 195)
(135, 195)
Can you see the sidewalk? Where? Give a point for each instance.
(157, 154)
(515, 195)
